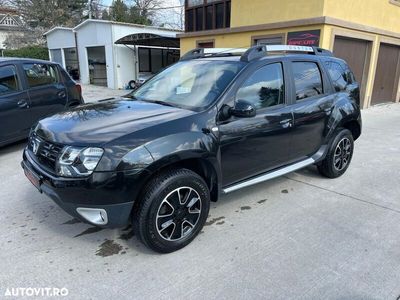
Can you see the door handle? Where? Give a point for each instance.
(286, 123)
(22, 104)
(61, 94)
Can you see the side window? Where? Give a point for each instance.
(264, 88)
(307, 80)
(350, 77)
(8, 80)
(338, 75)
(40, 74)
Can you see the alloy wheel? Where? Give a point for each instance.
(178, 214)
(342, 154)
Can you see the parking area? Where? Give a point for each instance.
(300, 236)
(91, 93)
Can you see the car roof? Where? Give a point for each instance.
(266, 57)
(19, 59)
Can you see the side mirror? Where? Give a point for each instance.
(243, 109)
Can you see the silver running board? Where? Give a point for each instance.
(268, 176)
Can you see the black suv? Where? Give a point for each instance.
(31, 89)
(215, 122)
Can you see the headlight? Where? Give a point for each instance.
(78, 162)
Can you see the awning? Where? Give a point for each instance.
(150, 40)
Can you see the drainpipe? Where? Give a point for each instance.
(77, 55)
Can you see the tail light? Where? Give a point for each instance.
(79, 88)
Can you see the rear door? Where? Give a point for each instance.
(312, 100)
(47, 92)
(250, 146)
(15, 120)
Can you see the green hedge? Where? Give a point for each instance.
(29, 52)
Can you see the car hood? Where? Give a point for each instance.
(101, 122)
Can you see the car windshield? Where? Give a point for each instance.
(193, 84)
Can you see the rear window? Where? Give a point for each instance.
(307, 79)
(40, 74)
(65, 76)
(338, 75)
(8, 80)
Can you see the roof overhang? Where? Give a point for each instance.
(57, 29)
(150, 40)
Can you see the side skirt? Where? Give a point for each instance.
(276, 173)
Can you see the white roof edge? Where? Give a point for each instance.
(124, 24)
(58, 28)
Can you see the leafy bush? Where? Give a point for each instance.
(29, 52)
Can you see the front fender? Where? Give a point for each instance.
(183, 147)
(182, 144)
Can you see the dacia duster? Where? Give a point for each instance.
(216, 121)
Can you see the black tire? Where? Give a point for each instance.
(339, 155)
(73, 104)
(160, 205)
(132, 84)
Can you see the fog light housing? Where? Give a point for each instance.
(97, 216)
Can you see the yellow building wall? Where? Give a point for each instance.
(376, 13)
(254, 12)
(240, 40)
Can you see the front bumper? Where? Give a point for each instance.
(113, 192)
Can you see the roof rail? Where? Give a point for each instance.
(212, 52)
(260, 51)
(322, 51)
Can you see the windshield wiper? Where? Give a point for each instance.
(130, 96)
(161, 103)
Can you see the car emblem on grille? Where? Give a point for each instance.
(35, 145)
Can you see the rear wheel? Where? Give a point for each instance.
(339, 155)
(173, 210)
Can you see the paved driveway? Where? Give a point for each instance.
(93, 93)
(297, 237)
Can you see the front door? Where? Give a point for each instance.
(15, 117)
(47, 93)
(250, 146)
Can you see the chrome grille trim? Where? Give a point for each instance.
(45, 152)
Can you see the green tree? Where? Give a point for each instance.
(39, 16)
(105, 15)
(135, 16)
(29, 52)
(47, 14)
(119, 11)
(122, 12)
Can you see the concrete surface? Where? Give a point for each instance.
(297, 237)
(93, 93)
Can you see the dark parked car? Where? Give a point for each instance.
(29, 91)
(210, 124)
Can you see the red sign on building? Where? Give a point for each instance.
(304, 38)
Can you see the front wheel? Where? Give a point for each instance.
(339, 155)
(173, 210)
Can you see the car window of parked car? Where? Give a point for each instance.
(338, 75)
(307, 80)
(8, 80)
(264, 88)
(350, 78)
(193, 84)
(40, 74)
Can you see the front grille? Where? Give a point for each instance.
(46, 153)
